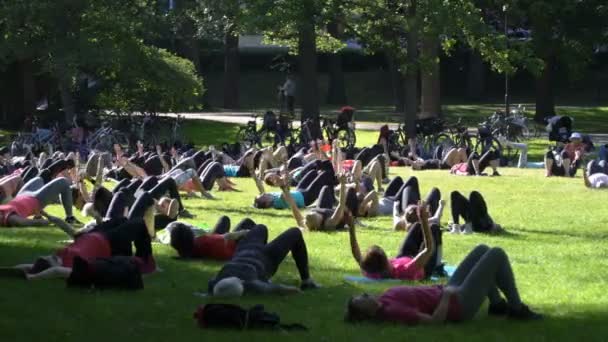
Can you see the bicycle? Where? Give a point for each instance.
(250, 136)
(345, 133)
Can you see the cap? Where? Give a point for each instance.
(576, 135)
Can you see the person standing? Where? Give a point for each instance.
(289, 91)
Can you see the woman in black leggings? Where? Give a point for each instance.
(305, 194)
(255, 261)
(114, 237)
(474, 211)
(219, 244)
(476, 164)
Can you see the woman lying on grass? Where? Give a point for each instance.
(474, 211)
(256, 260)
(418, 256)
(481, 275)
(324, 217)
(219, 244)
(476, 165)
(596, 180)
(114, 237)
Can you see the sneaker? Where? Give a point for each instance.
(206, 195)
(466, 229)
(498, 309)
(73, 221)
(185, 214)
(173, 209)
(524, 314)
(309, 285)
(386, 181)
(455, 228)
(495, 174)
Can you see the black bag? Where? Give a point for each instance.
(119, 272)
(229, 316)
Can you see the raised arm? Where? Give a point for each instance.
(586, 178)
(429, 245)
(338, 214)
(295, 211)
(354, 245)
(258, 182)
(437, 217)
(159, 151)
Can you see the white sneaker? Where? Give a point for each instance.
(466, 229)
(455, 228)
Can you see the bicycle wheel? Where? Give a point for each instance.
(347, 138)
(443, 143)
(485, 144)
(244, 136)
(268, 137)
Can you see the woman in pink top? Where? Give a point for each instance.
(32, 198)
(417, 257)
(484, 273)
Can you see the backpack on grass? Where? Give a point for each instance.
(229, 316)
(118, 272)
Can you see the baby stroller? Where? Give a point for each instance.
(559, 128)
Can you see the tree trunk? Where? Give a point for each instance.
(431, 83)
(336, 92)
(65, 91)
(476, 76)
(397, 84)
(545, 101)
(231, 70)
(411, 82)
(308, 87)
(29, 86)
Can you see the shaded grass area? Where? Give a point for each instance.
(558, 251)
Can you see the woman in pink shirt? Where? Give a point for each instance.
(417, 256)
(484, 273)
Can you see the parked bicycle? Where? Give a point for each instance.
(344, 131)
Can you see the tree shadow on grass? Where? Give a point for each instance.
(575, 234)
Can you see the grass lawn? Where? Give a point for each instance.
(558, 251)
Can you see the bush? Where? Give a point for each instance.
(151, 80)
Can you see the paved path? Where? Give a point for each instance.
(243, 117)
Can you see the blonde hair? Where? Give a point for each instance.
(229, 287)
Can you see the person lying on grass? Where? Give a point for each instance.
(453, 157)
(219, 244)
(484, 273)
(418, 257)
(307, 191)
(324, 217)
(476, 165)
(595, 181)
(474, 211)
(114, 237)
(32, 198)
(256, 260)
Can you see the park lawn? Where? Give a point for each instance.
(557, 242)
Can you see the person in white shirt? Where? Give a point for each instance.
(596, 180)
(289, 90)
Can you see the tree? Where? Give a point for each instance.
(397, 27)
(564, 33)
(300, 26)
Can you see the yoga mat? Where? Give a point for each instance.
(536, 165)
(364, 280)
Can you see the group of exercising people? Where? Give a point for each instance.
(147, 197)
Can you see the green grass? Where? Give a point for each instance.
(557, 242)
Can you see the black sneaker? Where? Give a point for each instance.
(495, 174)
(439, 271)
(72, 220)
(309, 285)
(185, 214)
(524, 314)
(498, 309)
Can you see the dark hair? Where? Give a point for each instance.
(101, 200)
(352, 202)
(353, 314)
(375, 260)
(182, 240)
(69, 164)
(41, 264)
